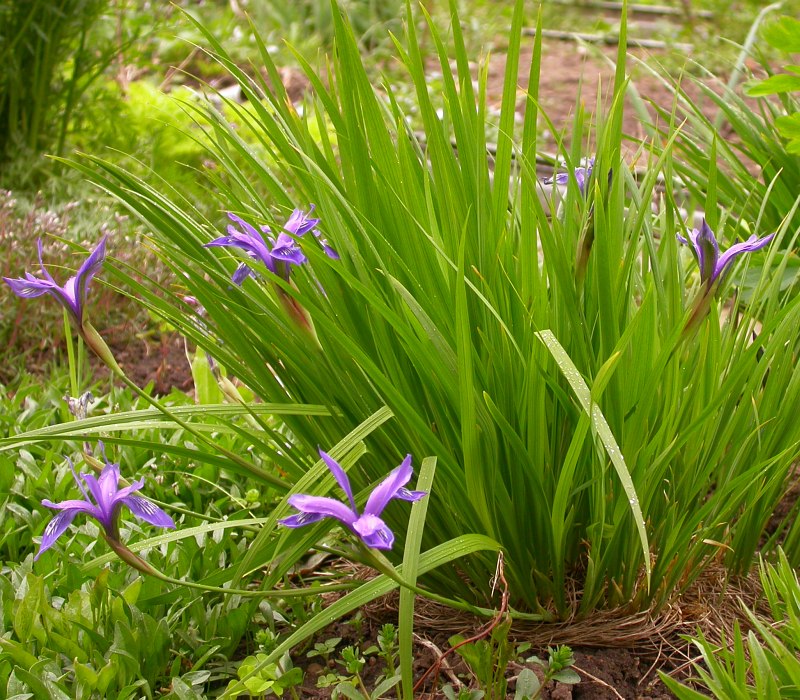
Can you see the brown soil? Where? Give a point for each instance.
(569, 70)
(606, 673)
(616, 655)
(161, 361)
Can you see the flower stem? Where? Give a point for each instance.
(135, 561)
(99, 347)
(254, 593)
(74, 387)
(363, 687)
(379, 562)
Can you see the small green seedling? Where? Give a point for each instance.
(556, 668)
(263, 679)
(324, 649)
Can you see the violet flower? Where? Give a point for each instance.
(368, 525)
(705, 249)
(72, 295)
(300, 223)
(103, 503)
(581, 174)
(277, 254)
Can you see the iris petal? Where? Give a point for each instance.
(55, 528)
(72, 296)
(751, 244)
(148, 511)
(108, 498)
(321, 505)
(28, 288)
(301, 519)
(388, 488)
(340, 476)
(705, 247)
(369, 527)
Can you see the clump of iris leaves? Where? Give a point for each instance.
(574, 371)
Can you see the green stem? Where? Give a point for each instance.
(74, 387)
(80, 362)
(379, 562)
(99, 347)
(362, 686)
(135, 561)
(253, 593)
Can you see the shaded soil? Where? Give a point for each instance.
(161, 361)
(571, 73)
(606, 674)
(617, 655)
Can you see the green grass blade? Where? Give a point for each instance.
(581, 390)
(411, 557)
(433, 558)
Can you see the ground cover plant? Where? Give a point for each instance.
(591, 415)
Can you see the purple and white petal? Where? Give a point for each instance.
(580, 178)
(73, 294)
(374, 532)
(127, 491)
(300, 223)
(751, 244)
(301, 519)
(47, 275)
(147, 511)
(242, 272)
(287, 250)
(557, 179)
(340, 476)
(705, 243)
(321, 505)
(330, 252)
(388, 488)
(291, 255)
(91, 266)
(56, 527)
(249, 229)
(73, 504)
(223, 241)
(405, 494)
(103, 491)
(29, 287)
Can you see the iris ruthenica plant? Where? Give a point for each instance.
(104, 502)
(367, 525)
(275, 253)
(72, 296)
(573, 421)
(581, 175)
(713, 266)
(73, 293)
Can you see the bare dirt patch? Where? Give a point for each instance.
(572, 74)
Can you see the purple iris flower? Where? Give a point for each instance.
(368, 525)
(705, 248)
(276, 253)
(300, 223)
(103, 503)
(581, 174)
(72, 296)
